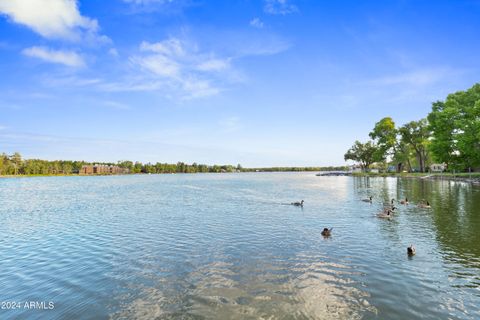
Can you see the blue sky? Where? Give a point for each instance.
(261, 83)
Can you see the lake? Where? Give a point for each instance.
(228, 246)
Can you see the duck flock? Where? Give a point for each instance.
(387, 213)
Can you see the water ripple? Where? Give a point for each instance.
(226, 246)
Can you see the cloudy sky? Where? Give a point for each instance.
(261, 83)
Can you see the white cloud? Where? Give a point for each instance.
(180, 68)
(159, 65)
(415, 78)
(256, 23)
(113, 52)
(68, 58)
(197, 88)
(171, 47)
(214, 65)
(53, 19)
(282, 7)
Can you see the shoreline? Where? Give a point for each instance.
(473, 178)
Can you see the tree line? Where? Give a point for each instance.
(179, 167)
(15, 165)
(450, 134)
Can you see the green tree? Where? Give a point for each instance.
(67, 167)
(455, 126)
(416, 134)
(402, 156)
(384, 134)
(137, 167)
(3, 163)
(126, 164)
(16, 160)
(363, 153)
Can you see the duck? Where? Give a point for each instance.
(298, 204)
(368, 200)
(424, 204)
(327, 232)
(404, 201)
(411, 250)
(392, 208)
(385, 214)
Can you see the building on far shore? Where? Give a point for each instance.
(102, 169)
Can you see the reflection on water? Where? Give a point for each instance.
(225, 246)
(227, 290)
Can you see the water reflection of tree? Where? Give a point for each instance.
(454, 214)
(457, 218)
(383, 189)
(361, 183)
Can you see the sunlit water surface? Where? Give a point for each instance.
(226, 246)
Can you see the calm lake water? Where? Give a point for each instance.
(225, 246)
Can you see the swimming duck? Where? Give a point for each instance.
(298, 204)
(327, 232)
(425, 205)
(411, 250)
(404, 201)
(385, 214)
(368, 200)
(391, 209)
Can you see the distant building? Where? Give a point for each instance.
(102, 169)
(438, 167)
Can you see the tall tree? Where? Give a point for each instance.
(455, 124)
(402, 156)
(364, 153)
(416, 134)
(442, 124)
(16, 160)
(3, 163)
(384, 134)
